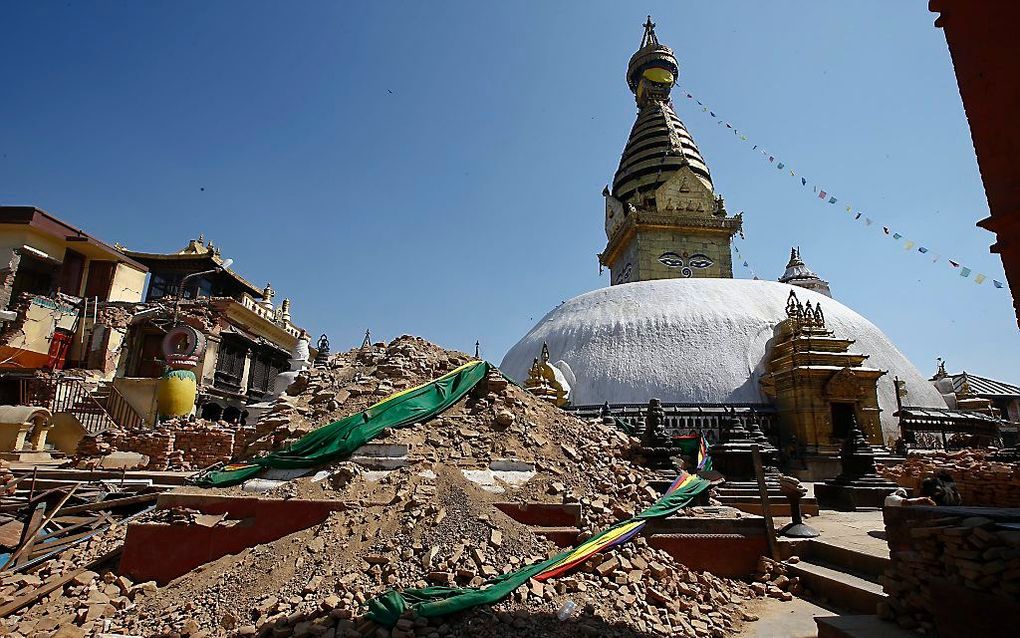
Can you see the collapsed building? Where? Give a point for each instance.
(84, 325)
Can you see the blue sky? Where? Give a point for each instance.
(436, 168)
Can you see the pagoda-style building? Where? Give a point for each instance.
(820, 388)
(663, 218)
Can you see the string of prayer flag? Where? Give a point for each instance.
(826, 196)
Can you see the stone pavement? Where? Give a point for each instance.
(795, 619)
(860, 531)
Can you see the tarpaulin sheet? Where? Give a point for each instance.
(340, 438)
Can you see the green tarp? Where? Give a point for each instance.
(339, 439)
(439, 601)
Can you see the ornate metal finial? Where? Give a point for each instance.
(545, 352)
(285, 310)
(649, 36)
(367, 341)
(268, 293)
(201, 238)
(322, 356)
(478, 349)
(793, 308)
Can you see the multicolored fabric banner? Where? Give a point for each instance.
(440, 601)
(827, 197)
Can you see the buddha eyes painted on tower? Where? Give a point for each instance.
(696, 261)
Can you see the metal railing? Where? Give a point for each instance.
(64, 394)
(120, 410)
(681, 419)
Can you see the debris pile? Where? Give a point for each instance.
(971, 552)
(774, 580)
(431, 518)
(55, 535)
(980, 481)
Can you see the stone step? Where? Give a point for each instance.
(859, 626)
(842, 589)
(867, 566)
(778, 505)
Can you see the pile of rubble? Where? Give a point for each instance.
(972, 552)
(980, 481)
(433, 521)
(774, 579)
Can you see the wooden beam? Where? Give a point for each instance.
(28, 535)
(110, 504)
(22, 553)
(770, 528)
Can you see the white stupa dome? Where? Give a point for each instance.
(696, 341)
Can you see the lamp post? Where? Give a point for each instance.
(180, 289)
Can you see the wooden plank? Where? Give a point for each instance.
(10, 533)
(770, 528)
(52, 585)
(92, 522)
(110, 504)
(23, 553)
(28, 535)
(45, 548)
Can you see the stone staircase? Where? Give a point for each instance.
(747, 498)
(846, 578)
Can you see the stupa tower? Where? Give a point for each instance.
(663, 218)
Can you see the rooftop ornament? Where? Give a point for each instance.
(804, 313)
(322, 356)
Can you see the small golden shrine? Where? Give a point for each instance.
(819, 387)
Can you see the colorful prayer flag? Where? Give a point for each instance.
(792, 174)
(745, 265)
(780, 165)
(848, 208)
(803, 181)
(711, 113)
(953, 264)
(885, 229)
(922, 250)
(858, 216)
(868, 221)
(908, 245)
(772, 158)
(965, 272)
(896, 236)
(997, 283)
(979, 278)
(821, 195)
(832, 200)
(743, 138)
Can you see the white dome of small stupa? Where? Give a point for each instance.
(696, 341)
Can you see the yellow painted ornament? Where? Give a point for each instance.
(175, 393)
(658, 75)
